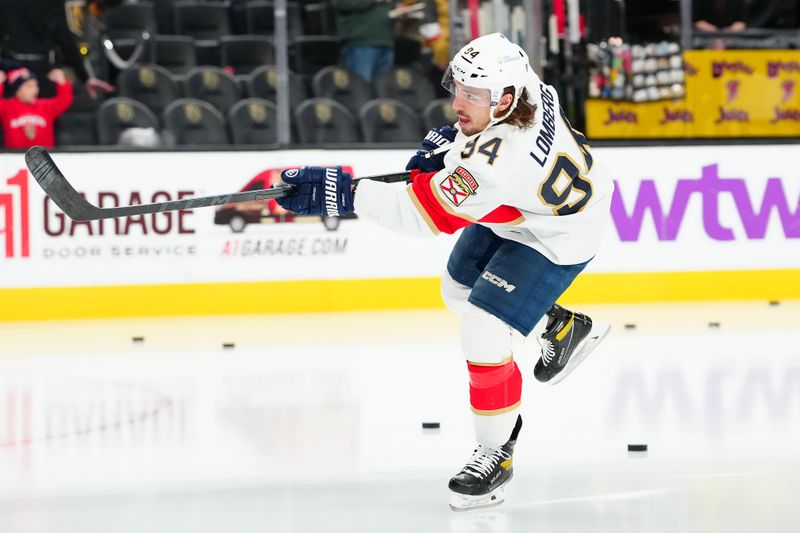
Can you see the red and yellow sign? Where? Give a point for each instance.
(730, 93)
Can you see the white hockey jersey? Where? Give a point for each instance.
(539, 186)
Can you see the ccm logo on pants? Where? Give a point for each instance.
(500, 282)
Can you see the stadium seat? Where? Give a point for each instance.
(202, 20)
(253, 121)
(165, 16)
(152, 85)
(260, 18)
(206, 22)
(238, 16)
(407, 51)
(130, 27)
(245, 53)
(262, 82)
(311, 53)
(407, 85)
(319, 19)
(322, 120)
(81, 101)
(341, 85)
(189, 121)
(212, 85)
(241, 83)
(176, 53)
(76, 129)
(388, 121)
(130, 20)
(118, 114)
(439, 113)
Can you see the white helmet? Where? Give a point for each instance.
(489, 64)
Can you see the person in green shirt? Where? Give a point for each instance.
(367, 36)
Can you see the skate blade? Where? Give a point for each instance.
(598, 333)
(462, 502)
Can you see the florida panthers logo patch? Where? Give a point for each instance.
(459, 186)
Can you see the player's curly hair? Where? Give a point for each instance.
(524, 114)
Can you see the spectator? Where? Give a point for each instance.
(720, 15)
(425, 24)
(436, 32)
(30, 32)
(27, 119)
(367, 36)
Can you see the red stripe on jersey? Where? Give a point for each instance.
(494, 387)
(442, 219)
(445, 221)
(502, 215)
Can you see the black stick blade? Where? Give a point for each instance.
(56, 186)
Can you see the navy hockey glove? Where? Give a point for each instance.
(320, 191)
(435, 138)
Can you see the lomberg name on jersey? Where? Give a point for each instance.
(547, 132)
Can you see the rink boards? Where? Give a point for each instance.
(687, 223)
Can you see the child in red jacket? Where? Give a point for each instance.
(27, 119)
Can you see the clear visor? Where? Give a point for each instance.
(473, 95)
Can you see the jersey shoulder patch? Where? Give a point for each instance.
(458, 186)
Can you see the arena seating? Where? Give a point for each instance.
(384, 120)
(76, 129)
(242, 54)
(212, 85)
(129, 20)
(308, 54)
(322, 120)
(151, 85)
(437, 113)
(118, 114)
(222, 54)
(262, 83)
(341, 85)
(259, 18)
(319, 18)
(252, 121)
(78, 126)
(409, 85)
(207, 22)
(333, 115)
(165, 16)
(176, 53)
(195, 122)
(203, 20)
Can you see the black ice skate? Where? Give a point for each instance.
(480, 483)
(568, 339)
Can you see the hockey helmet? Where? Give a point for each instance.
(482, 69)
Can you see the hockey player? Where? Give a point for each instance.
(532, 202)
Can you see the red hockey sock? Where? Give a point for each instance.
(494, 389)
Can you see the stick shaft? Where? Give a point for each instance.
(58, 188)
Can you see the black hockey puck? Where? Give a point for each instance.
(430, 425)
(630, 326)
(713, 325)
(138, 339)
(774, 303)
(229, 346)
(637, 447)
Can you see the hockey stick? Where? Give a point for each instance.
(76, 207)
